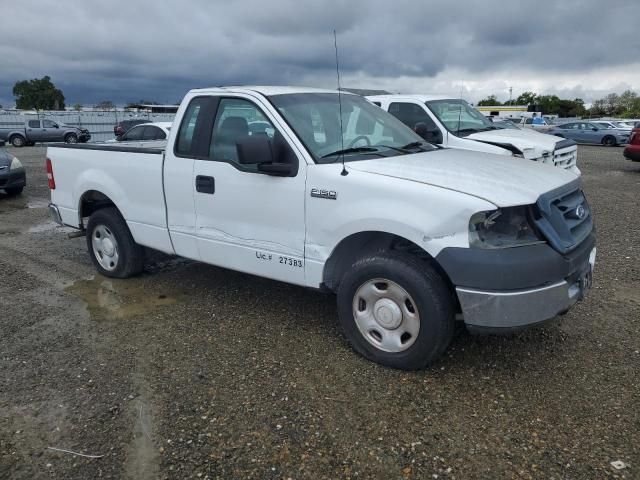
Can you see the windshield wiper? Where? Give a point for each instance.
(411, 145)
(351, 150)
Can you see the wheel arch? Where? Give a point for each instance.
(368, 242)
(91, 201)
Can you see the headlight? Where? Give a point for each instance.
(15, 164)
(503, 228)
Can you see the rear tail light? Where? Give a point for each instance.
(52, 181)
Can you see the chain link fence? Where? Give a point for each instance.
(99, 123)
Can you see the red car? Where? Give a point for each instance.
(632, 152)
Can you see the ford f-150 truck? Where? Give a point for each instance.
(332, 192)
(44, 131)
(454, 123)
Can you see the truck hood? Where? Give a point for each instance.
(503, 181)
(527, 141)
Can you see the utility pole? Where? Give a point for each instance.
(510, 94)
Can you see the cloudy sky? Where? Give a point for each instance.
(154, 50)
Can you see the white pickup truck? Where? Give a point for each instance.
(454, 123)
(274, 182)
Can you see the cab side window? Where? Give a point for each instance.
(34, 123)
(411, 114)
(48, 124)
(235, 120)
(415, 117)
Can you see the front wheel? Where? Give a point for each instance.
(396, 310)
(111, 246)
(71, 138)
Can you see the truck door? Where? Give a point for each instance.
(34, 131)
(247, 220)
(51, 132)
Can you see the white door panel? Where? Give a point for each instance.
(253, 222)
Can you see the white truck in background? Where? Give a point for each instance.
(325, 190)
(454, 123)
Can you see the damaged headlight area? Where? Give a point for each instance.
(503, 228)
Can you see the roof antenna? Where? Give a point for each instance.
(460, 108)
(335, 44)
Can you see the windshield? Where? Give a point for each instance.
(367, 130)
(459, 117)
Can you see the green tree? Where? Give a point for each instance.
(105, 105)
(489, 101)
(77, 107)
(38, 94)
(526, 98)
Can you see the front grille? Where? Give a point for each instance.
(565, 154)
(564, 217)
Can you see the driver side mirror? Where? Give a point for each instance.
(259, 150)
(55, 125)
(430, 135)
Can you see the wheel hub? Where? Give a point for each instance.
(108, 248)
(387, 313)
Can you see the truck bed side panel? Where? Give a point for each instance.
(132, 180)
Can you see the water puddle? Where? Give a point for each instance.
(111, 299)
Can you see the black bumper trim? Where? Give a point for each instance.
(513, 268)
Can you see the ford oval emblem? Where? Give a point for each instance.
(581, 212)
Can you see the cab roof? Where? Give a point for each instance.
(415, 97)
(266, 90)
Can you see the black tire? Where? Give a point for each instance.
(130, 255)
(70, 138)
(14, 190)
(609, 141)
(18, 141)
(427, 289)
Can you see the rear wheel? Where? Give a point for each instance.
(71, 138)
(111, 246)
(396, 310)
(18, 141)
(609, 141)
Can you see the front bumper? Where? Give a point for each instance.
(13, 178)
(503, 290)
(84, 137)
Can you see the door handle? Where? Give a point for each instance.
(205, 184)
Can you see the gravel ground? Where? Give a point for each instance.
(191, 371)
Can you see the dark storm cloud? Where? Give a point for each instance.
(149, 50)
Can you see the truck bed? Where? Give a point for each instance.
(129, 175)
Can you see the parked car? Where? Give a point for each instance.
(12, 174)
(44, 131)
(341, 196)
(453, 123)
(590, 133)
(125, 125)
(612, 125)
(632, 151)
(146, 131)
